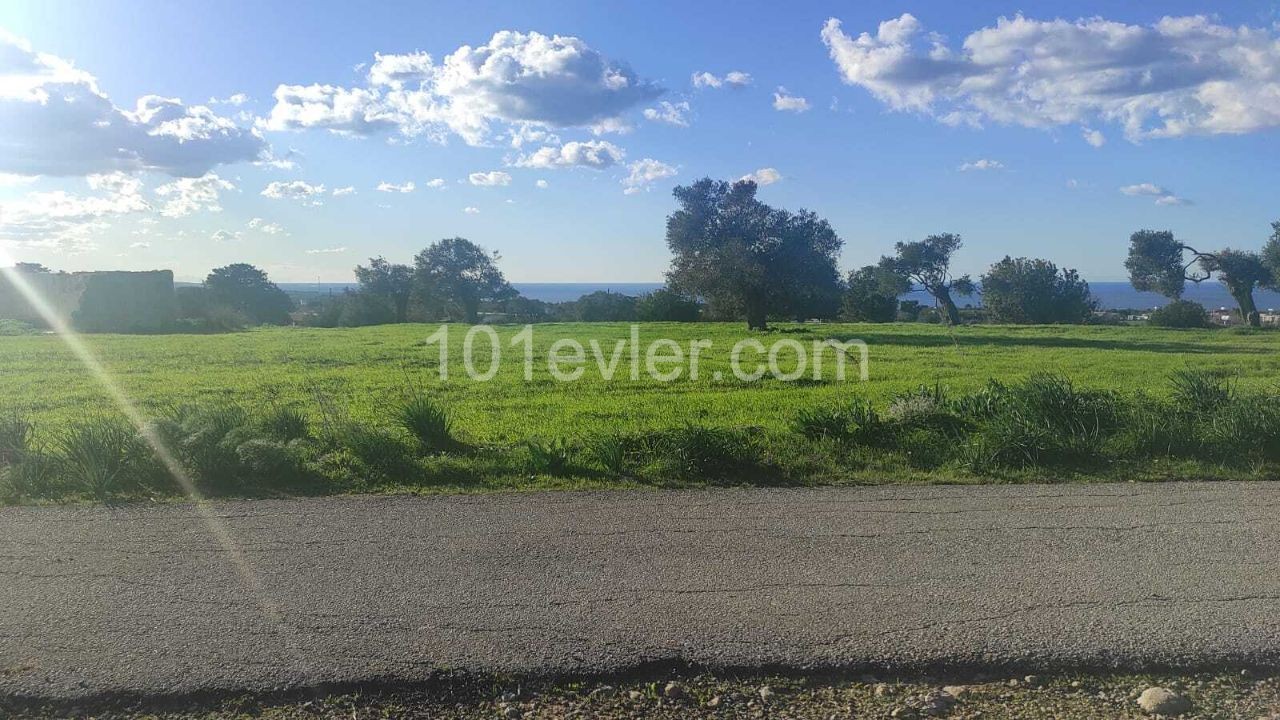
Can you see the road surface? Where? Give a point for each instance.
(260, 595)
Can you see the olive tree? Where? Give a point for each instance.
(460, 275)
(747, 258)
(1161, 263)
(927, 263)
(1025, 290)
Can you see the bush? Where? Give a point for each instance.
(605, 306)
(35, 475)
(665, 305)
(1180, 314)
(426, 420)
(1025, 290)
(611, 453)
(284, 424)
(856, 420)
(381, 452)
(1201, 391)
(696, 452)
(548, 457)
(100, 457)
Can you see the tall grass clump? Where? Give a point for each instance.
(549, 457)
(427, 421)
(284, 424)
(102, 457)
(15, 437)
(854, 420)
(1198, 391)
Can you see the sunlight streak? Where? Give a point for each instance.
(220, 532)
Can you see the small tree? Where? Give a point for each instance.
(1271, 256)
(865, 296)
(391, 281)
(665, 305)
(927, 263)
(605, 306)
(461, 275)
(247, 290)
(1024, 290)
(746, 257)
(1159, 262)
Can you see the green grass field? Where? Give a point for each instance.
(365, 368)
(367, 373)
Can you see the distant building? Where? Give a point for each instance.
(109, 301)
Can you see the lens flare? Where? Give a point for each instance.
(217, 528)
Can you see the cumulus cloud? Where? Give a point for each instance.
(785, 101)
(68, 222)
(983, 164)
(732, 79)
(185, 196)
(471, 210)
(644, 173)
(225, 235)
(1162, 195)
(266, 227)
(489, 179)
(595, 154)
(514, 79)
(436, 184)
(58, 122)
(1094, 137)
(669, 113)
(763, 176)
(387, 187)
(294, 190)
(541, 184)
(326, 251)
(348, 190)
(1178, 76)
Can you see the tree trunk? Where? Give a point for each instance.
(949, 309)
(1248, 310)
(757, 317)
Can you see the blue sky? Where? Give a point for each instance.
(939, 121)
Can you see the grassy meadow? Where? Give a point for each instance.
(364, 373)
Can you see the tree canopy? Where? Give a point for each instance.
(747, 258)
(927, 263)
(392, 282)
(247, 290)
(1034, 291)
(461, 276)
(1161, 263)
(869, 296)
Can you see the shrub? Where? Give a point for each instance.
(284, 424)
(610, 452)
(1044, 420)
(98, 455)
(1201, 391)
(382, 452)
(426, 420)
(271, 463)
(15, 438)
(1180, 314)
(666, 306)
(697, 452)
(33, 475)
(548, 457)
(856, 420)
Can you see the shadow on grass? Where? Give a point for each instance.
(1059, 342)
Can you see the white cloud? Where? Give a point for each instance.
(225, 235)
(57, 121)
(185, 196)
(1094, 137)
(489, 179)
(783, 100)
(763, 176)
(982, 164)
(294, 190)
(436, 183)
(140, 245)
(542, 184)
(669, 113)
(596, 154)
(1073, 183)
(733, 79)
(644, 173)
(326, 251)
(516, 78)
(471, 210)
(1178, 76)
(1162, 195)
(68, 222)
(387, 187)
(348, 190)
(235, 99)
(263, 226)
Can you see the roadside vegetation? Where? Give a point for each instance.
(315, 414)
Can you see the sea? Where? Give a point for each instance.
(1110, 295)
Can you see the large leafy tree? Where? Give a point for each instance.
(870, 296)
(247, 290)
(747, 258)
(460, 275)
(1271, 256)
(1023, 290)
(927, 263)
(1161, 263)
(390, 281)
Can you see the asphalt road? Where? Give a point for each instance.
(148, 599)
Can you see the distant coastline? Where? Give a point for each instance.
(1110, 295)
